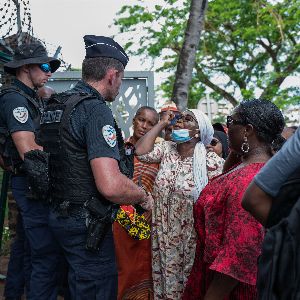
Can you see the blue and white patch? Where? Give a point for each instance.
(109, 134)
(21, 114)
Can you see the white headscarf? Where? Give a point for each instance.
(199, 157)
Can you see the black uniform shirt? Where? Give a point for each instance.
(92, 125)
(16, 113)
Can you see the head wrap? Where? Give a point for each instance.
(199, 157)
(222, 137)
(169, 105)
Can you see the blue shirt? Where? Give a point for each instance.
(16, 112)
(92, 125)
(279, 168)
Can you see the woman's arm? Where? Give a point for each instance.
(257, 203)
(220, 286)
(145, 144)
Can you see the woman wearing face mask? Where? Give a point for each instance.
(228, 238)
(182, 175)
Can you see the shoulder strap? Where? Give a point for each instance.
(70, 101)
(15, 89)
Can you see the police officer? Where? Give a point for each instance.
(19, 124)
(80, 133)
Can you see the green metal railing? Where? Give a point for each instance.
(3, 201)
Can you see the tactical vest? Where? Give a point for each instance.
(71, 176)
(8, 149)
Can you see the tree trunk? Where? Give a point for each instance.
(187, 56)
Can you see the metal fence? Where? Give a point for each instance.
(137, 90)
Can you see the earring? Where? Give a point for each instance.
(196, 135)
(245, 146)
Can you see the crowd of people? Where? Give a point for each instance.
(176, 211)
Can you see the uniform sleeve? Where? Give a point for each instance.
(283, 164)
(16, 113)
(155, 156)
(100, 134)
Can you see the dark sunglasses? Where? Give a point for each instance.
(45, 68)
(214, 142)
(230, 121)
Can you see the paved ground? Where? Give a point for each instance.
(3, 268)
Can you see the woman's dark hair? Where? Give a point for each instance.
(219, 127)
(278, 143)
(264, 116)
(222, 137)
(142, 108)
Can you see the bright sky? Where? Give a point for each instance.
(65, 22)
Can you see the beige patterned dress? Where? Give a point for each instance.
(173, 238)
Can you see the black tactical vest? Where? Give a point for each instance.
(8, 149)
(71, 176)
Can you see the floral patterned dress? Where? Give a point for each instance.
(173, 236)
(228, 238)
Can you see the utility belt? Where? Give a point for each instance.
(67, 209)
(99, 215)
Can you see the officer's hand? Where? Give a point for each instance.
(148, 203)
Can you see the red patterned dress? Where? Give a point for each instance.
(228, 238)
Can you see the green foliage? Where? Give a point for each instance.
(251, 45)
(5, 241)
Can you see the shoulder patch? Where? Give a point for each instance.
(109, 134)
(21, 114)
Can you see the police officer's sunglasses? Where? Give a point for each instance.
(45, 68)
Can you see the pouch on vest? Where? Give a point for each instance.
(36, 166)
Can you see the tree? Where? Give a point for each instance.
(249, 47)
(187, 55)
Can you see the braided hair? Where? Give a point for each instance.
(264, 116)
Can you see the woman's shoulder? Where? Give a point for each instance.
(214, 164)
(167, 145)
(248, 170)
(212, 158)
(241, 175)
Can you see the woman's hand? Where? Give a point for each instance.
(166, 118)
(148, 203)
(146, 143)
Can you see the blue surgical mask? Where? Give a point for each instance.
(180, 135)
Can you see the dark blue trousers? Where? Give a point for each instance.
(92, 275)
(44, 249)
(19, 267)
